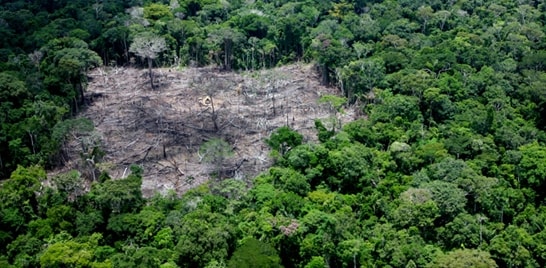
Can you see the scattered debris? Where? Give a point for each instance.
(162, 130)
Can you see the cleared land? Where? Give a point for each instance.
(163, 129)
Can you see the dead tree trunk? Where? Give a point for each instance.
(214, 115)
(151, 74)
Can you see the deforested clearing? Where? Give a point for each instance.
(162, 129)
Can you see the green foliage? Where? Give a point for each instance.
(284, 139)
(417, 208)
(468, 230)
(289, 180)
(216, 152)
(66, 254)
(350, 168)
(316, 262)
(66, 61)
(444, 167)
(12, 89)
(202, 237)
(70, 184)
(22, 185)
(464, 258)
(450, 199)
(533, 165)
(70, 253)
(335, 102)
(514, 246)
(322, 132)
(156, 11)
(119, 196)
(254, 253)
(361, 76)
(152, 257)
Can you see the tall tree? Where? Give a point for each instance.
(65, 63)
(148, 45)
(226, 39)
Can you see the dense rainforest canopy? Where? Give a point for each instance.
(444, 168)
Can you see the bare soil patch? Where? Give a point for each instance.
(163, 129)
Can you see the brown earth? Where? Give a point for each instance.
(163, 129)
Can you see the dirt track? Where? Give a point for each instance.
(163, 129)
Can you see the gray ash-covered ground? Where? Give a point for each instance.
(163, 129)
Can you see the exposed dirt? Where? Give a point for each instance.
(163, 129)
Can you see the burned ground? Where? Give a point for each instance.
(163, 129)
